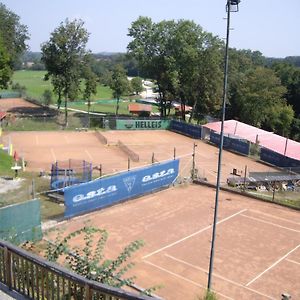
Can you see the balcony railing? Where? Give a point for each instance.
(36, 278)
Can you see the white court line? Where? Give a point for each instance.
(270, 223)
(53, 154)
(273, 265)
(88, 154)
(275, 217)
(185, 279)
(293, 261)
(219, 276)
(191, 235)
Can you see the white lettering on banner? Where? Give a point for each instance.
(157, 175)
(92, 194)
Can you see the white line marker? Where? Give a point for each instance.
(88, 154)
(270, 223)
(185, 279)
(274, 217)
(53, 154)
(293, 261)
(273, 265)
(219, 276)
(191, 235)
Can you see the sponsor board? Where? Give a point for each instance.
(229, 143)
(142, 124)
(107, 191)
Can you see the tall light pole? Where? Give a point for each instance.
(231, 6)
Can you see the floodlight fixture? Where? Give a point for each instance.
(232, 5)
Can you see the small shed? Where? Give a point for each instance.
(142, 110)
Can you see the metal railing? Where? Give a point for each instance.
(36, 278)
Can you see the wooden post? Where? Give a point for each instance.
(88, 295)
(153, 159)
(128, 164)
(193, 165)
(33, 188)
(245, 175)
(8, 273)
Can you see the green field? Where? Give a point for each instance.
(35, 85)
(6, 163)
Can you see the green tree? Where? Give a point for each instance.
(137, 85)
(290, 78)
(90, 83)
(89, 261)
(63, 56)
(5, 69)
(13, 36)
(183, 59)
(256, 92)
(119, 84)
(47, 97)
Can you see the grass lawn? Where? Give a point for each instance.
(6, 163)
(35, 85)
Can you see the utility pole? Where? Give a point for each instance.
(231, 6)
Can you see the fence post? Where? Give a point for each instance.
(245, 175)
(33, 188)
(8, 273)
(88, 295)
(193, 166)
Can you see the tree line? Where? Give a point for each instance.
(184, 61)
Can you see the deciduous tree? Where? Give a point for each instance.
(13, 36)
(137, 85)
(119, 84)
(63, 56)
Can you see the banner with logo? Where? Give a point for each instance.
(104, 192)
(142, 124)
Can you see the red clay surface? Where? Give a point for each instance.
(12, 103)
(41, 149)
(257, 252)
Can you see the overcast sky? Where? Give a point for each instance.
(270, 26)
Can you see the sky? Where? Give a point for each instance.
(269, 26)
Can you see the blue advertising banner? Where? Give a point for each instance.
(107, 191)
(191, 130)
(278, 159)
(231, 143)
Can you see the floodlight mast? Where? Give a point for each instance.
(231, 6)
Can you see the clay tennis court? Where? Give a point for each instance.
(257, 252)
(41, 149)
(15, 103)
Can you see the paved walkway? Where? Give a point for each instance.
(4, 296)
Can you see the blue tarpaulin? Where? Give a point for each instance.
(231, 143)
(278, 159)
(107, 191)
(191, 130)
